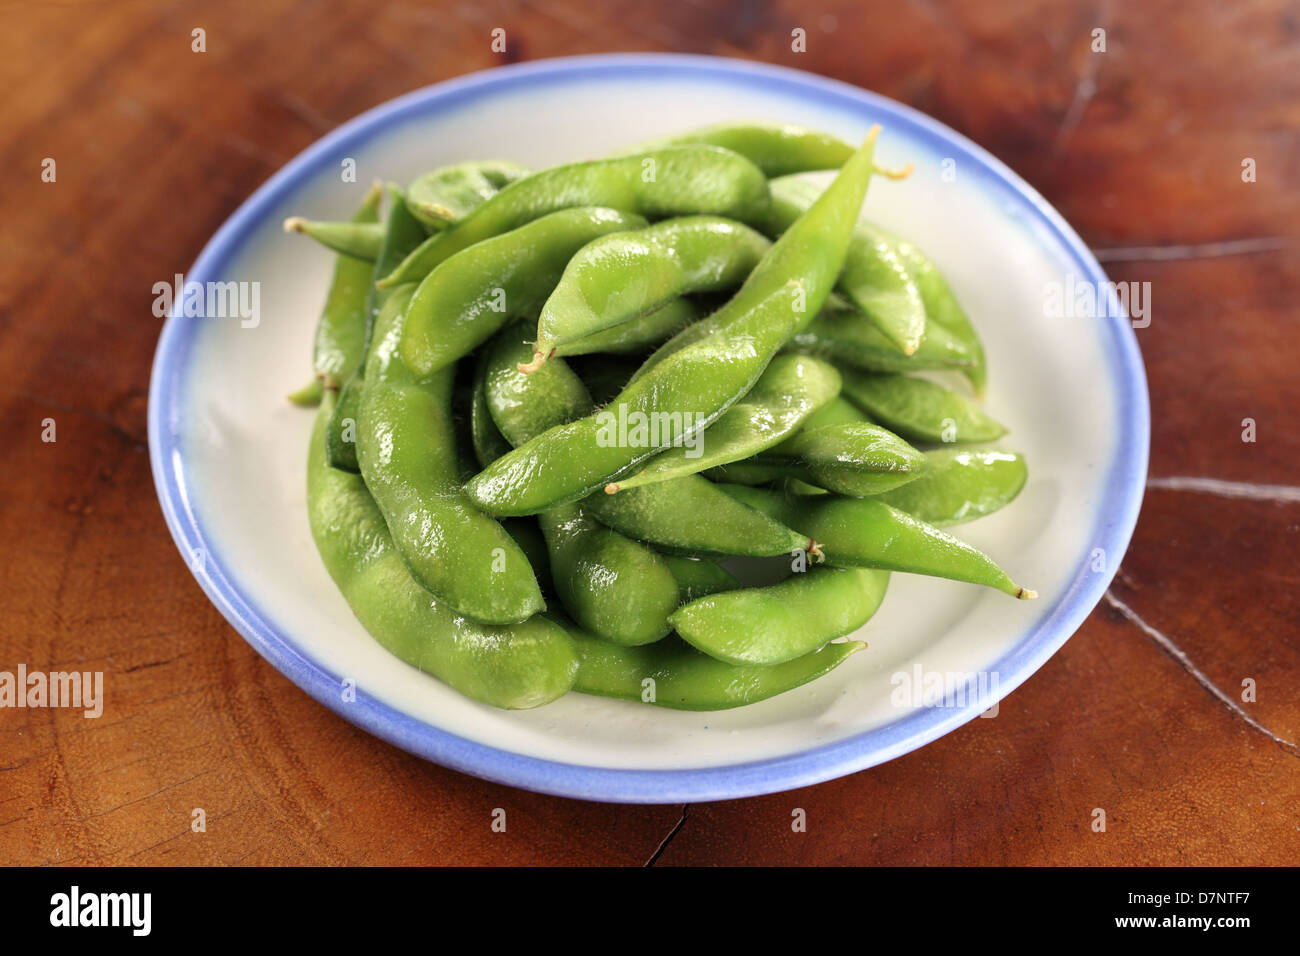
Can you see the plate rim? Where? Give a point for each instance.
(1116, 514)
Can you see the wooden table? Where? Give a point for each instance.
(1141, 714)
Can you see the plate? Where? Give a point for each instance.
(228, 452)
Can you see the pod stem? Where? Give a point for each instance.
(295, 224)
(539, 359)
(1026, 594)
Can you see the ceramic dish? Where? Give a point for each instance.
(229, 452)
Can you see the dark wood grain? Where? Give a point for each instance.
(1141, 714)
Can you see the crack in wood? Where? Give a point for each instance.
(1174, 651)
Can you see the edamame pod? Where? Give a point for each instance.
(341, 332)
(446, 195)
(852, 458)
(942, 310)
(402, 232)
(640, 333)
(518, 666)
(488, 442)
(698, 577)
(875, 277)
(781, 622)
(473, 294)
(617, 278)
(778, 149)
(844, 333)
(673, 674)
(865, 533)
(960, 486)
(612, 585)
(690, 515)
(690, 388)
(360, 240)
(674, 181)
(791, 389)
(918, 409)
(406, 447)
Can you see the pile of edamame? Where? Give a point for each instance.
(552, 404)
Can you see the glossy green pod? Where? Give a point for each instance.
(961, 485)
(359, 240)
(402, 232)
(790, 390)
(778, 149)
(673, 674)
(851, 458)
(698, 577)
(470, 296)
(674, 181)
(339, 342)
(918, 409)
(781, 622)
(407, 450)
(613, 586)
(689, 389)
(875, 276)
(639, 334)
(690, 515)
(444, 196)
(517, 666)
(942, 310)
(842, 332)
(618, 278)
(866, 533)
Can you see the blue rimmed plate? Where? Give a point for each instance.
(228, 452)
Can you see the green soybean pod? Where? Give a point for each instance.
(617, 278)
(470, 296)
(518, 666)
(402, 232)
(444, 196)
(698, 577)
(407, 450)
(866, 533)
(790, 390)
(673, 674)
(691, 515)
(696, 384)
(918, 409)
(942, 310)
(674, 181)
(781, 622)
(844, 333)
(961, 485)
(356, 239)
(488, 442)
(638, 334)
(852, 458)
(340, 334)
(778, 149)
(612, 585)
(875, 275)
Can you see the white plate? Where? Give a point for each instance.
(229, 451)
